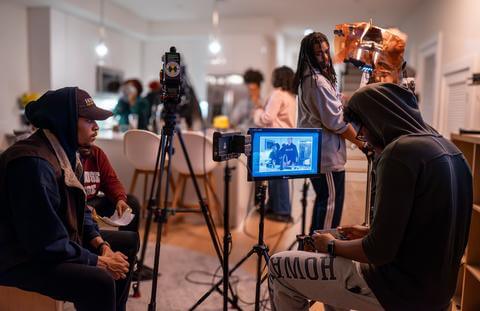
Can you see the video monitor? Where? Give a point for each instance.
(284, 153)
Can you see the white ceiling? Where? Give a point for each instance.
(290, 17)
(299, 13)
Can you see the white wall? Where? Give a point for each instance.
(457, 20)
(249, 50)
(247, 43)
(14, 73)
(459, 24)
(73, 57)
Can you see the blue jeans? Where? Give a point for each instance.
(279, 197)
(330, 191)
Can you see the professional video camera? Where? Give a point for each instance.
(177, 89)
(272, 154)
(170, 76)
(158, 209)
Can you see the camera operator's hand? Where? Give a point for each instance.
(320, 240)
(116, 264)
(367, 149)
(353, 232)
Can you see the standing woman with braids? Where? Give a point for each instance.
(320, 107)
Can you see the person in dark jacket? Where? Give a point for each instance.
(409, 258)
(49, 242)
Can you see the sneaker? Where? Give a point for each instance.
(279, 217)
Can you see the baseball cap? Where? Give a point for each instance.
(87, 108)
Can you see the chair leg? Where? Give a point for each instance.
(211, 184)
(178, 190)
(172, 183)
(134, 181)
(145, 186)
(207, 192)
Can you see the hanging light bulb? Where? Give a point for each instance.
(215, 18)
(101, 48)
(214, 46)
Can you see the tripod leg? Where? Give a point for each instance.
(257, 285)
(163, 215)
(368, 191)
(261, 247)
(160, 153)
(205, 211)
(203, 206)
(304, 210)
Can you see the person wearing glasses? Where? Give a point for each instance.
(319, 106)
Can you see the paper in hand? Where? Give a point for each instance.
(116, 221)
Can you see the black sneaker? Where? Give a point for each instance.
(279, 217)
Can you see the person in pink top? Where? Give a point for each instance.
(278, 112)
(280, 109)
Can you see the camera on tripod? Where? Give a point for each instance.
(171, 77)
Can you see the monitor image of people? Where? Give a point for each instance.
(282, 153)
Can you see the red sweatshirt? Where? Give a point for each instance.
(100, 176)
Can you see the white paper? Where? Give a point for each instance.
(117, 221)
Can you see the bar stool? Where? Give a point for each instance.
(141, 147)
(202, 164)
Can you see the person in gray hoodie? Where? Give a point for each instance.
(319, 106)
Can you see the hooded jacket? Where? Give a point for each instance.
(44, 219)
(422, 207)
(319, 106)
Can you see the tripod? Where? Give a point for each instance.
(261, 249)
(304, 202)
(165, 149)
(368, 201)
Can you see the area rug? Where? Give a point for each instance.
(179, 268)
(185, 275)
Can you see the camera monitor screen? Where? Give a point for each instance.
(284, 153)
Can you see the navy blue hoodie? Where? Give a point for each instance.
(33, 226)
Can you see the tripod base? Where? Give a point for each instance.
(261, 249)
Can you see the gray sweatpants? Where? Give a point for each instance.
(295, 277)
